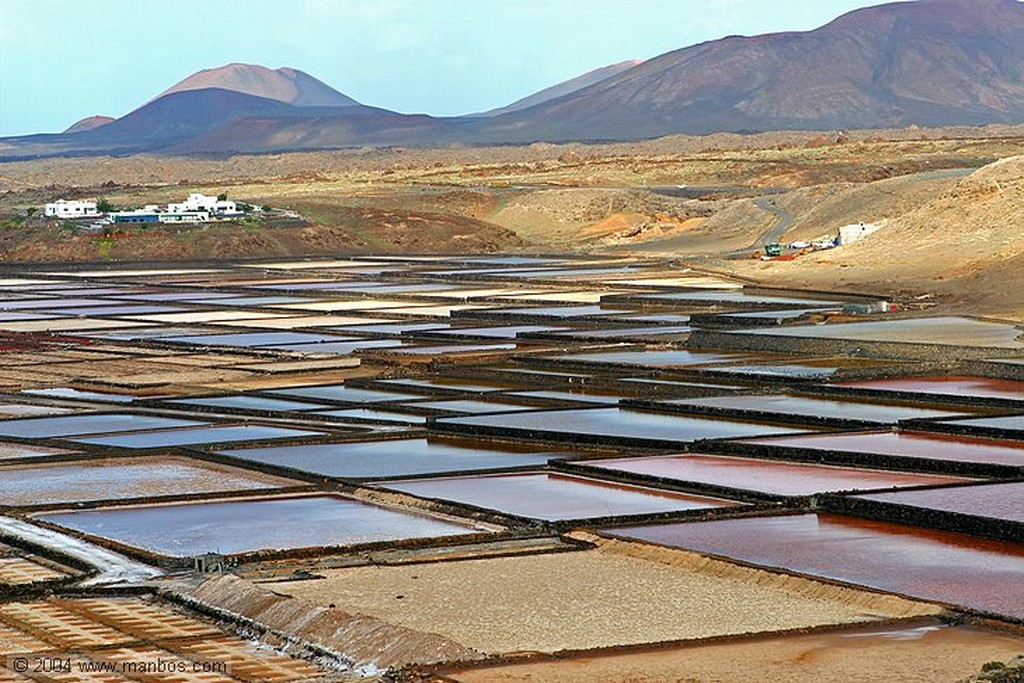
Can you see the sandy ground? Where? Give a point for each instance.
(915, 656)
(582, 600)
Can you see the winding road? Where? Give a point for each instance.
(784, 221)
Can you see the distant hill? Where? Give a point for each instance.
(89, 123)
(333, 128)
(284, 85)
(166, 121)
(188, 114)
(564, 88)
(930, 62)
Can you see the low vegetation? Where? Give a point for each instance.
(1001, 672)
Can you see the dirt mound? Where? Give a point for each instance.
(369, 643)
(584, 216)
(418, 232)
(616, 222)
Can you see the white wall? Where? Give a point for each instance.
(70, 209)
(201, 202)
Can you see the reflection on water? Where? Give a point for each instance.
(933, 565)
(231, 527)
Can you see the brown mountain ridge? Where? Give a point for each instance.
(929, 62)
(924, 62)
(284, 85)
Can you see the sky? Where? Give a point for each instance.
(63, 60)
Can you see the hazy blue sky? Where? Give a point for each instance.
(61, 60)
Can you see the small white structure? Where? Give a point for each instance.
(153, 214)
(63, 208)
(200, 202)
(848, 234)
(184, 217)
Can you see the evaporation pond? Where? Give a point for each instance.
(934, 565)
(658, 359)
(909, 445)
(616, 423)
(248, 402)
(548, 496)
(185, 437)
(784, 404)
(766, 476)
(240, 526)
(555, 311)
(809, 369)
(737, 297)
(470, 406)
(501, 332)
(343, 394)
(442, 383)
(75, 425)
(17, 451)
(628, 332)
(943, 331)
(984, 387)
(377, 415)
(1002, 423)
(996, 501)
(396, 457)
(256, 339)
(122, 478)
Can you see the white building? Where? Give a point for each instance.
(200, 202)
(63, 208)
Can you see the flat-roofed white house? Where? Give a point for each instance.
(200, 202)
(71, 208)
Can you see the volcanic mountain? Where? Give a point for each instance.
(564, 88)
(284, 85)
(89, 123)
(929, 62)
(194, 107)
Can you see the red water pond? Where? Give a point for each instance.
(767, 476)
(911, 445)
(933, 565)
(997, 501)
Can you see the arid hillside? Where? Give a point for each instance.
(964, 244)
(949, 200)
